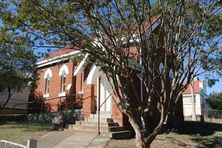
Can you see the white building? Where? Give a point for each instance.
(199, 99)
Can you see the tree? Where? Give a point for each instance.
(215, 101)
(119, 39)
(16, 64)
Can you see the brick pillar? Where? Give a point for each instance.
(88, 100)
(117, 115)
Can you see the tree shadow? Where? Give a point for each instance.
(205, 134)
(197, 128)
(175, 141)
(209, 142)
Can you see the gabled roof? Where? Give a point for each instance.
(59, 55)
(149, 24)
(152, 23)
(62, 51)
(69, 50)
(198, 86)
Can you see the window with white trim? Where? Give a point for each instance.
(47, 84)
(63, 82)
(188, 100)
(63, 75)
(47, 76)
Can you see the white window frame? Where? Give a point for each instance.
(47, 77)
(63, 72)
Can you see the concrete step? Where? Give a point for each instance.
(102, 115)
(101, 119)
(95, 128)
(107, 126)
(121, 134)
(113, 132)
(91, 123)
(89, 128)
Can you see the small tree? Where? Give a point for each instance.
(16, 64)
(120, 38)
(215, 101)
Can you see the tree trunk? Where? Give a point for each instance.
(8, 98)
(151, 137)
(140, 143)
(143, 141)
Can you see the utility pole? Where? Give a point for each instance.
(194, 118)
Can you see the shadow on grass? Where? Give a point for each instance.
(174, 141)
(7, 119)
(206, 134)
(197, 128)
(20, 121)
(209, 142)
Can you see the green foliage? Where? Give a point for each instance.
(215, 101)
(213, 26)
(17, 63)
(211, 82)
(183, 45)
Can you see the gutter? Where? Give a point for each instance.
(56, 59)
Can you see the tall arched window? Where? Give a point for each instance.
(63, 82)
(47, 76)
(63, 73)
(47, 83)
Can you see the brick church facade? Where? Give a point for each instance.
(81, 85)
(75, 84)
(61, 80)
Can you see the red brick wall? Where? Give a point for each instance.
(116, 113)
(54, 88)
(88, 95)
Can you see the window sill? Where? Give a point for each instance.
(62, 94)
(80, 93)
(45, 95)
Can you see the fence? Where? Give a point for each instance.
(214, 113)
(31, 143)
(70, 116)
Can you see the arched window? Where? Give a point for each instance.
(47, 76)
(63, 82)
(47, 83)
(63, 73)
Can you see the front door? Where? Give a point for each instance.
(105, 96)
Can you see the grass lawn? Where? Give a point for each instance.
(191, 134)
(19, 132)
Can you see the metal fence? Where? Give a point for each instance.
(31, 143)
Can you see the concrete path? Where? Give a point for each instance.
(72, 139)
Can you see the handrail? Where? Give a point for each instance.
(49, 99)
(105, 100)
